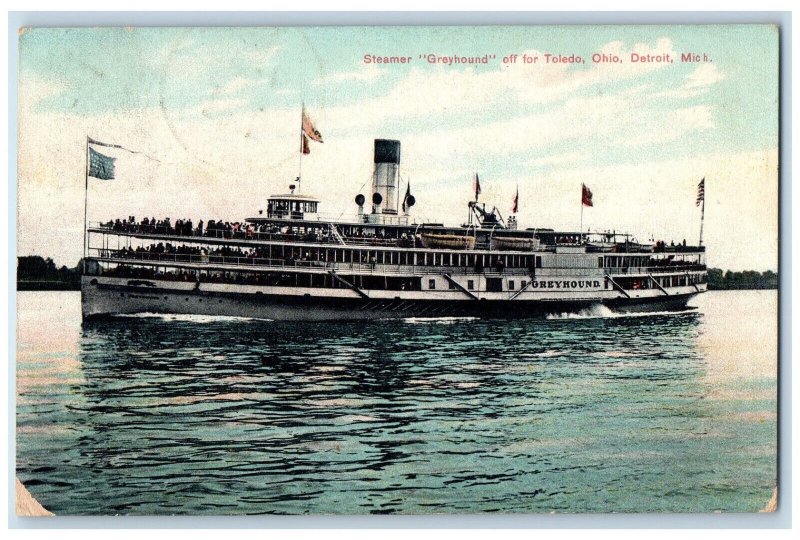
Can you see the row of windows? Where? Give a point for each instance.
(615, 261)
(471, 285)
(635, 283)
(294, 206)
(402, 258)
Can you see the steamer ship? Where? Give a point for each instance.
(292, 263)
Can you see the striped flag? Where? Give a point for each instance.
(100, 165)
(477, 186)
(701, 192)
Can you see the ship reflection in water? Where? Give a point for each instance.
(588, 412)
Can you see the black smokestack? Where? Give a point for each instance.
(387, 151)
(386, 177)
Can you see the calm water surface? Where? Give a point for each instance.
(587, 412)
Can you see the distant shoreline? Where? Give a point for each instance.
(35, 273)
(47, 286)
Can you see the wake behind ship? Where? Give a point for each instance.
(293, 263)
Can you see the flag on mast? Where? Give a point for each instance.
(304, 149)
(701, 192)
(515, 206)
(100, 165)
(586, 196)
(477, 186)
(308, 128)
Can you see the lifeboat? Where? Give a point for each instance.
(514, 243)
(447, 241)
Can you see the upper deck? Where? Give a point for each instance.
(270, 230)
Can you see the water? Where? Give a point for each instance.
(588, 412)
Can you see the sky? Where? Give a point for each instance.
(214, 114)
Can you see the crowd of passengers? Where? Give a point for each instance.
(232, 230)
(185, 227)
(224, 254)
(153, 251)
(203, 277)
(661, 246)
(668, 262)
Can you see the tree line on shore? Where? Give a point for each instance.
(37, 273)
(748, 279)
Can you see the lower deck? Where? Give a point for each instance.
(103, 295)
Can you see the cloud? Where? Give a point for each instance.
(368, 73)
(565, 158)
(704, 76)
(235, 85)
(262, 55)
(217, 106)
(695, 83)
(34, 89)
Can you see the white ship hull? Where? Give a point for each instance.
(104, 296)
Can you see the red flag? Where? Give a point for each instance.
(309, 129)
(477, 186)
(586, 196)
(304, 144)
(515, 206)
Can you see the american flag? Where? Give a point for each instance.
(100, 165)
(701, 192)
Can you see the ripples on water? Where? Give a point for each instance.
(190, 415)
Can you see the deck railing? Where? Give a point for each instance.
(263, 236)
(327, 238)
(267, 264)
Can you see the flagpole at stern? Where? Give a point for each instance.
(702, 218)
(85, 202)
(302, 147)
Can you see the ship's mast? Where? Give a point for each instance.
(702, 220)
(302, 146)
(85, 201)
